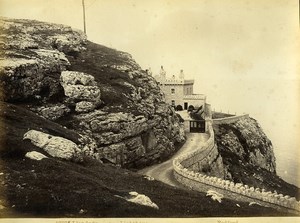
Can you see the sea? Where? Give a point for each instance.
(274, 103)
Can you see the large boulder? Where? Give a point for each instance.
(55, 146)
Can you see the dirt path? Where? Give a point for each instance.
(164, 171)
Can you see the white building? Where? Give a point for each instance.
(179, 91)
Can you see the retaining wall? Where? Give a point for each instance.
(186, 164)
(229, 120)
(201, 157)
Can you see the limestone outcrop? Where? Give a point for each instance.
(52, 111)
(247, 154)
(81, 89)
(100, 93)
(248, 142)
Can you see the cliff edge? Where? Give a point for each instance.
(248, 155)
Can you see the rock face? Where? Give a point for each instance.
(81, 89)
(116, 107)
(52, 112)
(216, 168)
(33, 59)
(245, 150)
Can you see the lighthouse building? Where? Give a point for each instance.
(179, 91)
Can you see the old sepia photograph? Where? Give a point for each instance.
(137, 111)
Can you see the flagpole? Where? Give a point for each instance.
(83, 8)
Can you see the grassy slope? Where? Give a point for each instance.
(56, 188)
(97, 61)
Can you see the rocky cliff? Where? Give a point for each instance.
(102, 94)
(248, 156)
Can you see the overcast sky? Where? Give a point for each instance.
(214, 39)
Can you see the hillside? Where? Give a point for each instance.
(99, 92)
(74, 115)
(54, 187)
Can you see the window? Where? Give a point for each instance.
(172, 91)
(185, 105)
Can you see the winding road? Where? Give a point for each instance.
(164, 171)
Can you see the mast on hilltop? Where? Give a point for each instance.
(83, 9)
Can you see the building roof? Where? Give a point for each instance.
(173, 81)
(194, 97)
(189, 81)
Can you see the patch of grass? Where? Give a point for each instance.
(98, 61)
(52, 188)
(16, 121)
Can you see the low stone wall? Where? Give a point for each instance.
(203, 183)
(201, 157)
(229, 120)
(185, 165)
(197, 161)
